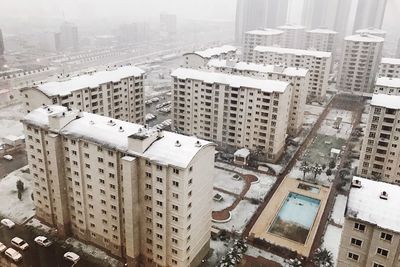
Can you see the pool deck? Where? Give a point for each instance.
(265, 220)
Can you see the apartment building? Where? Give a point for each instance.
(233, 111)
(294, 36)
(114, 92)
(199, 59)
(140, 194)
(359, 63)
(389, 67)
(318, 62)
(372, 31)
(297, 77)
(264, 37)
(380, 152)
(321, 40)
(371, 231)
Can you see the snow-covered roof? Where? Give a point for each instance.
(390, 60)
(364, 38)
(265, 31)
(301, 52)
(115, 135)
(231, 80)
(388, 82)
(215, 51)
(246, 66)
(65, 87)
(371, 31)
(292, 27)
(327, 31)
(365, 204)
(386, 101)
(243, 153)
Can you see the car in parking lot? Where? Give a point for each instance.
(43, 241)
(2, 247)
(8, 223)
(71, 256)
(19, 243)
(13, 254)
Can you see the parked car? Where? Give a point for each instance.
(43, 241)
(2, 247)
(8, 157)
(13, 254)
(8, 223)
(19, 243)
(71, 256)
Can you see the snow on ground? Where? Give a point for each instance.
(224, 180)
(346, 115)
(343, 132)
(255, 252)
(240, 216)
(220, 249)
(316, 110)
(37, 224)
(322, 179)
(225, 203)
(14, 112)
(338, 209)
(261, 189)
(332, 241)
(10, 206)
(276, 167)
(9, 121)
(310, 119)
(91, 250)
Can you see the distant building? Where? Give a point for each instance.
(389, 67)
(67, 38)
(320, 13)
(371, 230)
(372, 31)
(321, 40)
(116, 93)
(233, 111)
(359, 63)
(297, 77)
(199, 59)
(294, 36)
(1, 43)
(318, 62)
(141, 194)
(369, 13)
(133, 32)
(264, 37)
(398, 49)
(168, 25)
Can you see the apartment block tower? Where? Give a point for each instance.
(294, 36)
(371, 232)
(140, 194)
(297, 77)
(318, 62)
(321, 40)
(369, 14)
(115, 92)
(264, 37)
(233, 111)
(389, 67)
(359, 63)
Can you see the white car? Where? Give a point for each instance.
(19, 243)
(8, 223)
(2, 247)
(8, 157)
(43, 241)
(71, 256)
(13, 254)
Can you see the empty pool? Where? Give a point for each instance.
(295, 217)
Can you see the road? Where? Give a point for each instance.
(19, 161)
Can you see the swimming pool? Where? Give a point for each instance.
(295, 217)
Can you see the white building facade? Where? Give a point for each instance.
(264, 37)
(321, 40)
(199, 59)
(389, 67)
(294, 36)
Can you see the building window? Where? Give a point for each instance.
(176, 171)
(359, 227)
(382, 252)
(353, 256)
(159, 167)
(175, 183)
(356, 242)
(377, 265)
(386, 236)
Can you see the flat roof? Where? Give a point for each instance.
(265, 31)
(215, 51)
(292, 27)
(365, 204)
(301, 52)
(388, 81)
(231, 80)
(363, 37)
(93, 80)
(390, 60)
(371, 31)
(327, 31)
(386, 101)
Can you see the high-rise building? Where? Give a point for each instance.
(297, 77)
(320, 13)
(372, 31)
(67, 38)
(398, 49)
(264, 37)
(318, 62)
(168, 25)
(369, 13)
(140, 194)
(371, 230)
(321, 40)
(359, 63)
(1, 43)
(257, 14)
(199, 59)
(343, 19)
(294, 36)
(116, 93)
(389, 67)
(232, 110)
(133, 32)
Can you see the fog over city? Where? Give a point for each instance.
(199, 133)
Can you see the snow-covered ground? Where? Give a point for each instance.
(240, 216)
(338, 209)
(332, 241)
(220, 249)
(10, 206)
(322, 179)
(343, 132)
(224, 180)
(37, 224)
(225, 203)
(10, 121)
(260, 190)
(310, 119)
(312, 109)
(255, 252)
(344, 114)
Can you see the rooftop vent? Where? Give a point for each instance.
(384, 195)
(197, 144)
(111, 123)
(177, 143)
(121, 129)
(63, 114)
(356, 183)
(49, 110)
